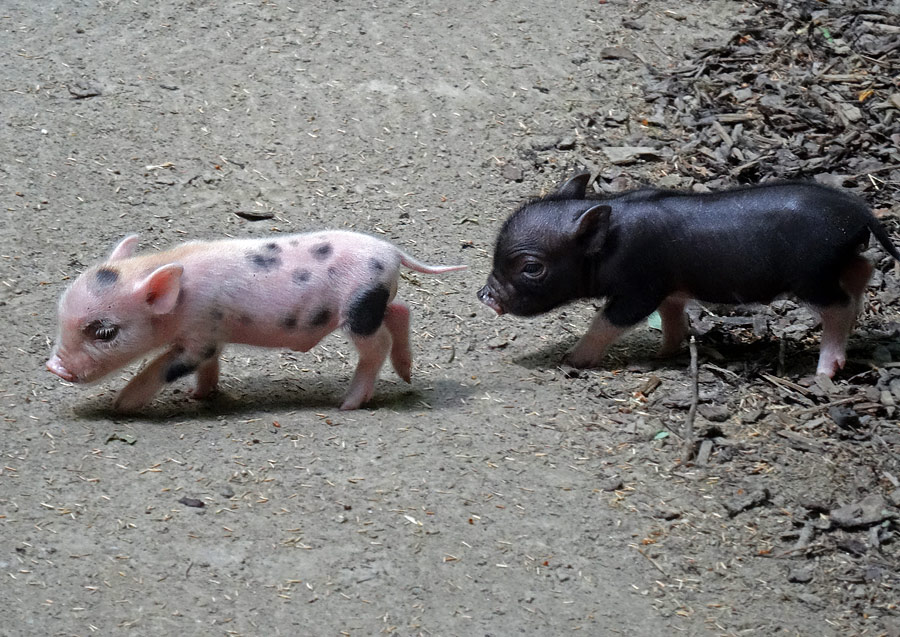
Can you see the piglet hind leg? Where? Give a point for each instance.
(396, 319)
(373, 351)
(589, 351)
(838, 319)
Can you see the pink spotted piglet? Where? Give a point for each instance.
(288, 291)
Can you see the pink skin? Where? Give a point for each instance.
(838, 320)
(674, 324)
(589, 350)
(286, 292)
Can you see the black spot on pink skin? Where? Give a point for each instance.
(217, 314)
(321, 251)
(263, 262)
(107, 276)
(178, 369)
(320, 318)
(376, 265)
(365, 312)
(289, 322)
(301, 277)
(273, 247)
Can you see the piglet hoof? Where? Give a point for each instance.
(830, 368)
(350, 403)
(205, 393)
(357, 396)
(668, 351)
(579, 360)
(405, 372)
(129, 402)
(402, 363)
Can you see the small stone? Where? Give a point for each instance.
(851, 112)
(870, 510)
(714, 413)
(844, 417)
(620, 155)
(895, 497)
(613, 483)
(544, 143)
(512, 173)
(669, 181)
(894, 386)
(616, 53)
(192, 502)
(566, 143)
(745, 501)
(881, 355)
(811, 600)
(751, 416)
(801, 575)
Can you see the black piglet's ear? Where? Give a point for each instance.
(575, 188)
(592, 227)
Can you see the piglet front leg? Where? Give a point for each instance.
(173, 364)
(589, 351)
(207, 376)
(143, 387)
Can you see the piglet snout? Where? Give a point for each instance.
(485, 296)
(55, 365)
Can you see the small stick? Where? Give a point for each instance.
(840, 401)
(688, 452)
(652, 561)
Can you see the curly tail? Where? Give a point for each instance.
(883, 238)
(418, 266)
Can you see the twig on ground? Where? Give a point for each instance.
(652, 561)
(688, 450)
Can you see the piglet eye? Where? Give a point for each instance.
(533, 269)
(101, 330)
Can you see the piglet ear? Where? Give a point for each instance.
(124, 249)
(161, 288)
(592, 227)
(575, 188)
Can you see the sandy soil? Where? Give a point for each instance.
(496, 495)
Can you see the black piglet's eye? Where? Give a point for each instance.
(533, 268)
(102, 330)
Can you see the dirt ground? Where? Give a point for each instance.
(499, 494)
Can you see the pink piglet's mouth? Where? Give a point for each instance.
(485, 296)
(55, 365)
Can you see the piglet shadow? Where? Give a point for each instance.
(635, 347)
(261, 395)
(636, 351)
